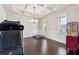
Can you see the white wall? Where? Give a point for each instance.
(3, 13)
(30, 29)
(51, 21)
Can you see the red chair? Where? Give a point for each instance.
(71, 44)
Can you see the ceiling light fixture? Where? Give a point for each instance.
(34, 20)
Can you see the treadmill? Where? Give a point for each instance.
(11, 38)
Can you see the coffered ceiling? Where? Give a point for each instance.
(37, 10)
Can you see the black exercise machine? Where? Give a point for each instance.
(11, 35)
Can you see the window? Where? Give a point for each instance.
(62, 24)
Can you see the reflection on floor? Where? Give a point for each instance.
(43, 47)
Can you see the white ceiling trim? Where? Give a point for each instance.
(40, 9)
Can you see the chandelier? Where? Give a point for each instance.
(34, 20)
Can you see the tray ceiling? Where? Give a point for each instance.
(37, 10)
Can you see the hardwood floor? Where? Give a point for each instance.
(43, 47)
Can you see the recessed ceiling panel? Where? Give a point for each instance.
(19, 6)
(38, 10)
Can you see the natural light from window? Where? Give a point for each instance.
(62, 24)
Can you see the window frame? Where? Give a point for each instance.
(61, 15)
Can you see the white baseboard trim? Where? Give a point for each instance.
(52, 38)
(26, 36)
(55, 39)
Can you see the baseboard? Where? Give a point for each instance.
(27, 36)
(46, 38)
(54, 40)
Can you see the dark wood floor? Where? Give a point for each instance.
(43, 47)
